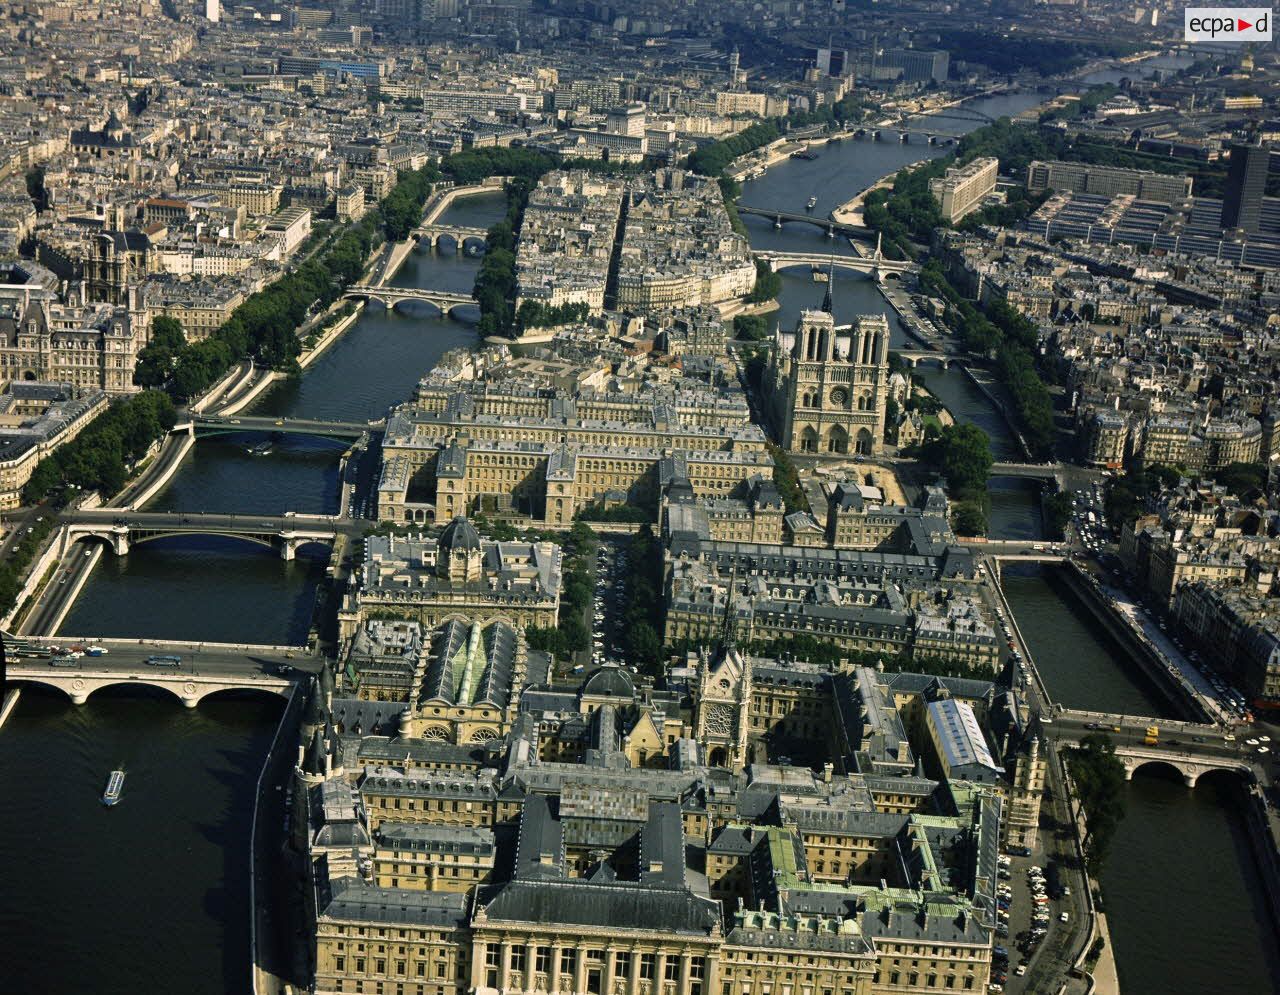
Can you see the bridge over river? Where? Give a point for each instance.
(226, 424)
(462, 237)
(443, 300)
(121, 530)
(1193, 749)
(875, 265)
(197, 670)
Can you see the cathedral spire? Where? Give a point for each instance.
(827, 304)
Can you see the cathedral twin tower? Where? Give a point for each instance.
(828, 384)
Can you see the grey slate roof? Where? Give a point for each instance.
(616, 905)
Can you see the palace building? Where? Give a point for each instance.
(431, 580)
(603, 837)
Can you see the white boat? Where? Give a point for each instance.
(115, 785)
(813, 202)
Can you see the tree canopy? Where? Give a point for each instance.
(100, 456)
(1099, 782)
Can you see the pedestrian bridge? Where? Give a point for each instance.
(443, 301)
(830, 226)
(1193, 749)
(122, 532)
(90, 674)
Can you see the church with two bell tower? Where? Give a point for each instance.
(828, 384)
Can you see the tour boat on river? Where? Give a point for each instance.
(115, 785)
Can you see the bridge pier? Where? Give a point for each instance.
(288, 548)
(79, 697)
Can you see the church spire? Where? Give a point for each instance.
(728, 632)
(827, 304)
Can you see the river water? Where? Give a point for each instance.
(1180, 877)
(149, 896)
(88, 892)
(152, 895)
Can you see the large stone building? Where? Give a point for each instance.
(1108, 181)
(440, 869)
(91, 346)
(35, 419)
(458, 684)
(459, 574)
(549, 454)
(964, 188)
(828, 384)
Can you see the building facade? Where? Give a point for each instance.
(828, 385)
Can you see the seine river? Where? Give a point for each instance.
(152, 895)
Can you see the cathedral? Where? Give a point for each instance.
(828, 384)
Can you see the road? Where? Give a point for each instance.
(18, 522)
(287, 426)
(59, 592)
(197, 520)
(1186, 738)
(1049, 962)
(210, 662)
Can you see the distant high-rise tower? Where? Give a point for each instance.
(212, 10)
(1246, 182)
(733, 67)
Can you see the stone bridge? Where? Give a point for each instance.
(442, 300)
(122, 531)
(429, 236)
(86, 675)
(914, 357)
(1193, 749)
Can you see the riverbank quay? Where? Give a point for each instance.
(1165, 677)
(276, 913)
(850, 212)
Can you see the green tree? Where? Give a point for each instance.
(1099, 780)
(156, 358)
(751, 327)
(968, 518)
(1057, 512)
(962, 454)
(787, 479)
(767, 286)
(1241, 478)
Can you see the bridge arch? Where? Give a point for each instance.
(410, 305)
(473, 245)
(271, 691)
(1157, 765)
(79, 689)
(255, 539)
(1231, 775)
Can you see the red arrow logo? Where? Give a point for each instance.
(1243, 25)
